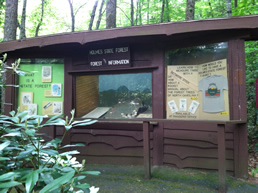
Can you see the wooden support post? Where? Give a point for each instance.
(146, 150)
(222, 158)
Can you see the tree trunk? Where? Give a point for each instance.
(10, 24)
(100, 14)
(23, 21)
(132, 13)
(235, 3)
(162, 11)
(140, 12)
(190, 5)
(229, 11)
(72, 15)
(41, 18)
(111, 14)
(148, 11)
(167, 7)
(93, 14)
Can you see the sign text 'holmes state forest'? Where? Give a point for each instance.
(108, 57)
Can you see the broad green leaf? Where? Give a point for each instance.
(22, 114)
(18, 134)
(26, 153)
(14, 119)
(82, 186)
(9, 184)
(30, 132)
(78, 178)
(4, 158)
(4, 190)
(57, 182)
(31, 180)
(50, 152)
(86, 123)
(75, 145)
(69, 153)
(68, 127)
(52, 119)
(46, 177)
(4, 145)
(7, 176)
(77, 122)
(91, 172)
(12, 113)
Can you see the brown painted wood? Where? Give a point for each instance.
(137, 135)
(115, 141)
(9, 91)
(146, 150)
(197, 144)
(115, 160)
(210, 137)
(184, 152)
(105, 150)
(222, 158)
(241, 151)
(158, 144)
(196, 162)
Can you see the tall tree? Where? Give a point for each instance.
(43, 2)
(10, 24)
(111, 14)
(167, 7)
(190, 6)
(162, 11)
(74, 12)
(23, 21)
(100, 14)
(229, 11)
(132, 13)
(93, 14)
(148, 11)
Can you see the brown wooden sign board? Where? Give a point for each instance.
(109, 57)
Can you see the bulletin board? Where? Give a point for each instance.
(42, 92)
(198, 92)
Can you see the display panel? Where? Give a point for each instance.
(42, 92)
(117, 96)
(198, 91)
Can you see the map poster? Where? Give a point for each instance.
(182, 89)
(188, 99)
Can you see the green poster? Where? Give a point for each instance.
(45, 86)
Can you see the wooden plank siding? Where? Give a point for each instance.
(195, 145)
(109, 146)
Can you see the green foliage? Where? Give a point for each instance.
(28, 163)
(245, 7)
(251, 49)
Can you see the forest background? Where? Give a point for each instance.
(21, 19)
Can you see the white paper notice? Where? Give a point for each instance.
(182, 104)
(172, 106)
(193, 107)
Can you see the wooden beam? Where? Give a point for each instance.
(221, 157)
(146, 149)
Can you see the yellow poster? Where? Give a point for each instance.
(198, 92)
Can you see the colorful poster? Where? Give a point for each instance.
(200, 91)
(42, 91)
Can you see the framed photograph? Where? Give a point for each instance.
(46, 73)
(57, 108)
(32, 108)
(56, 89)
(26, 98)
